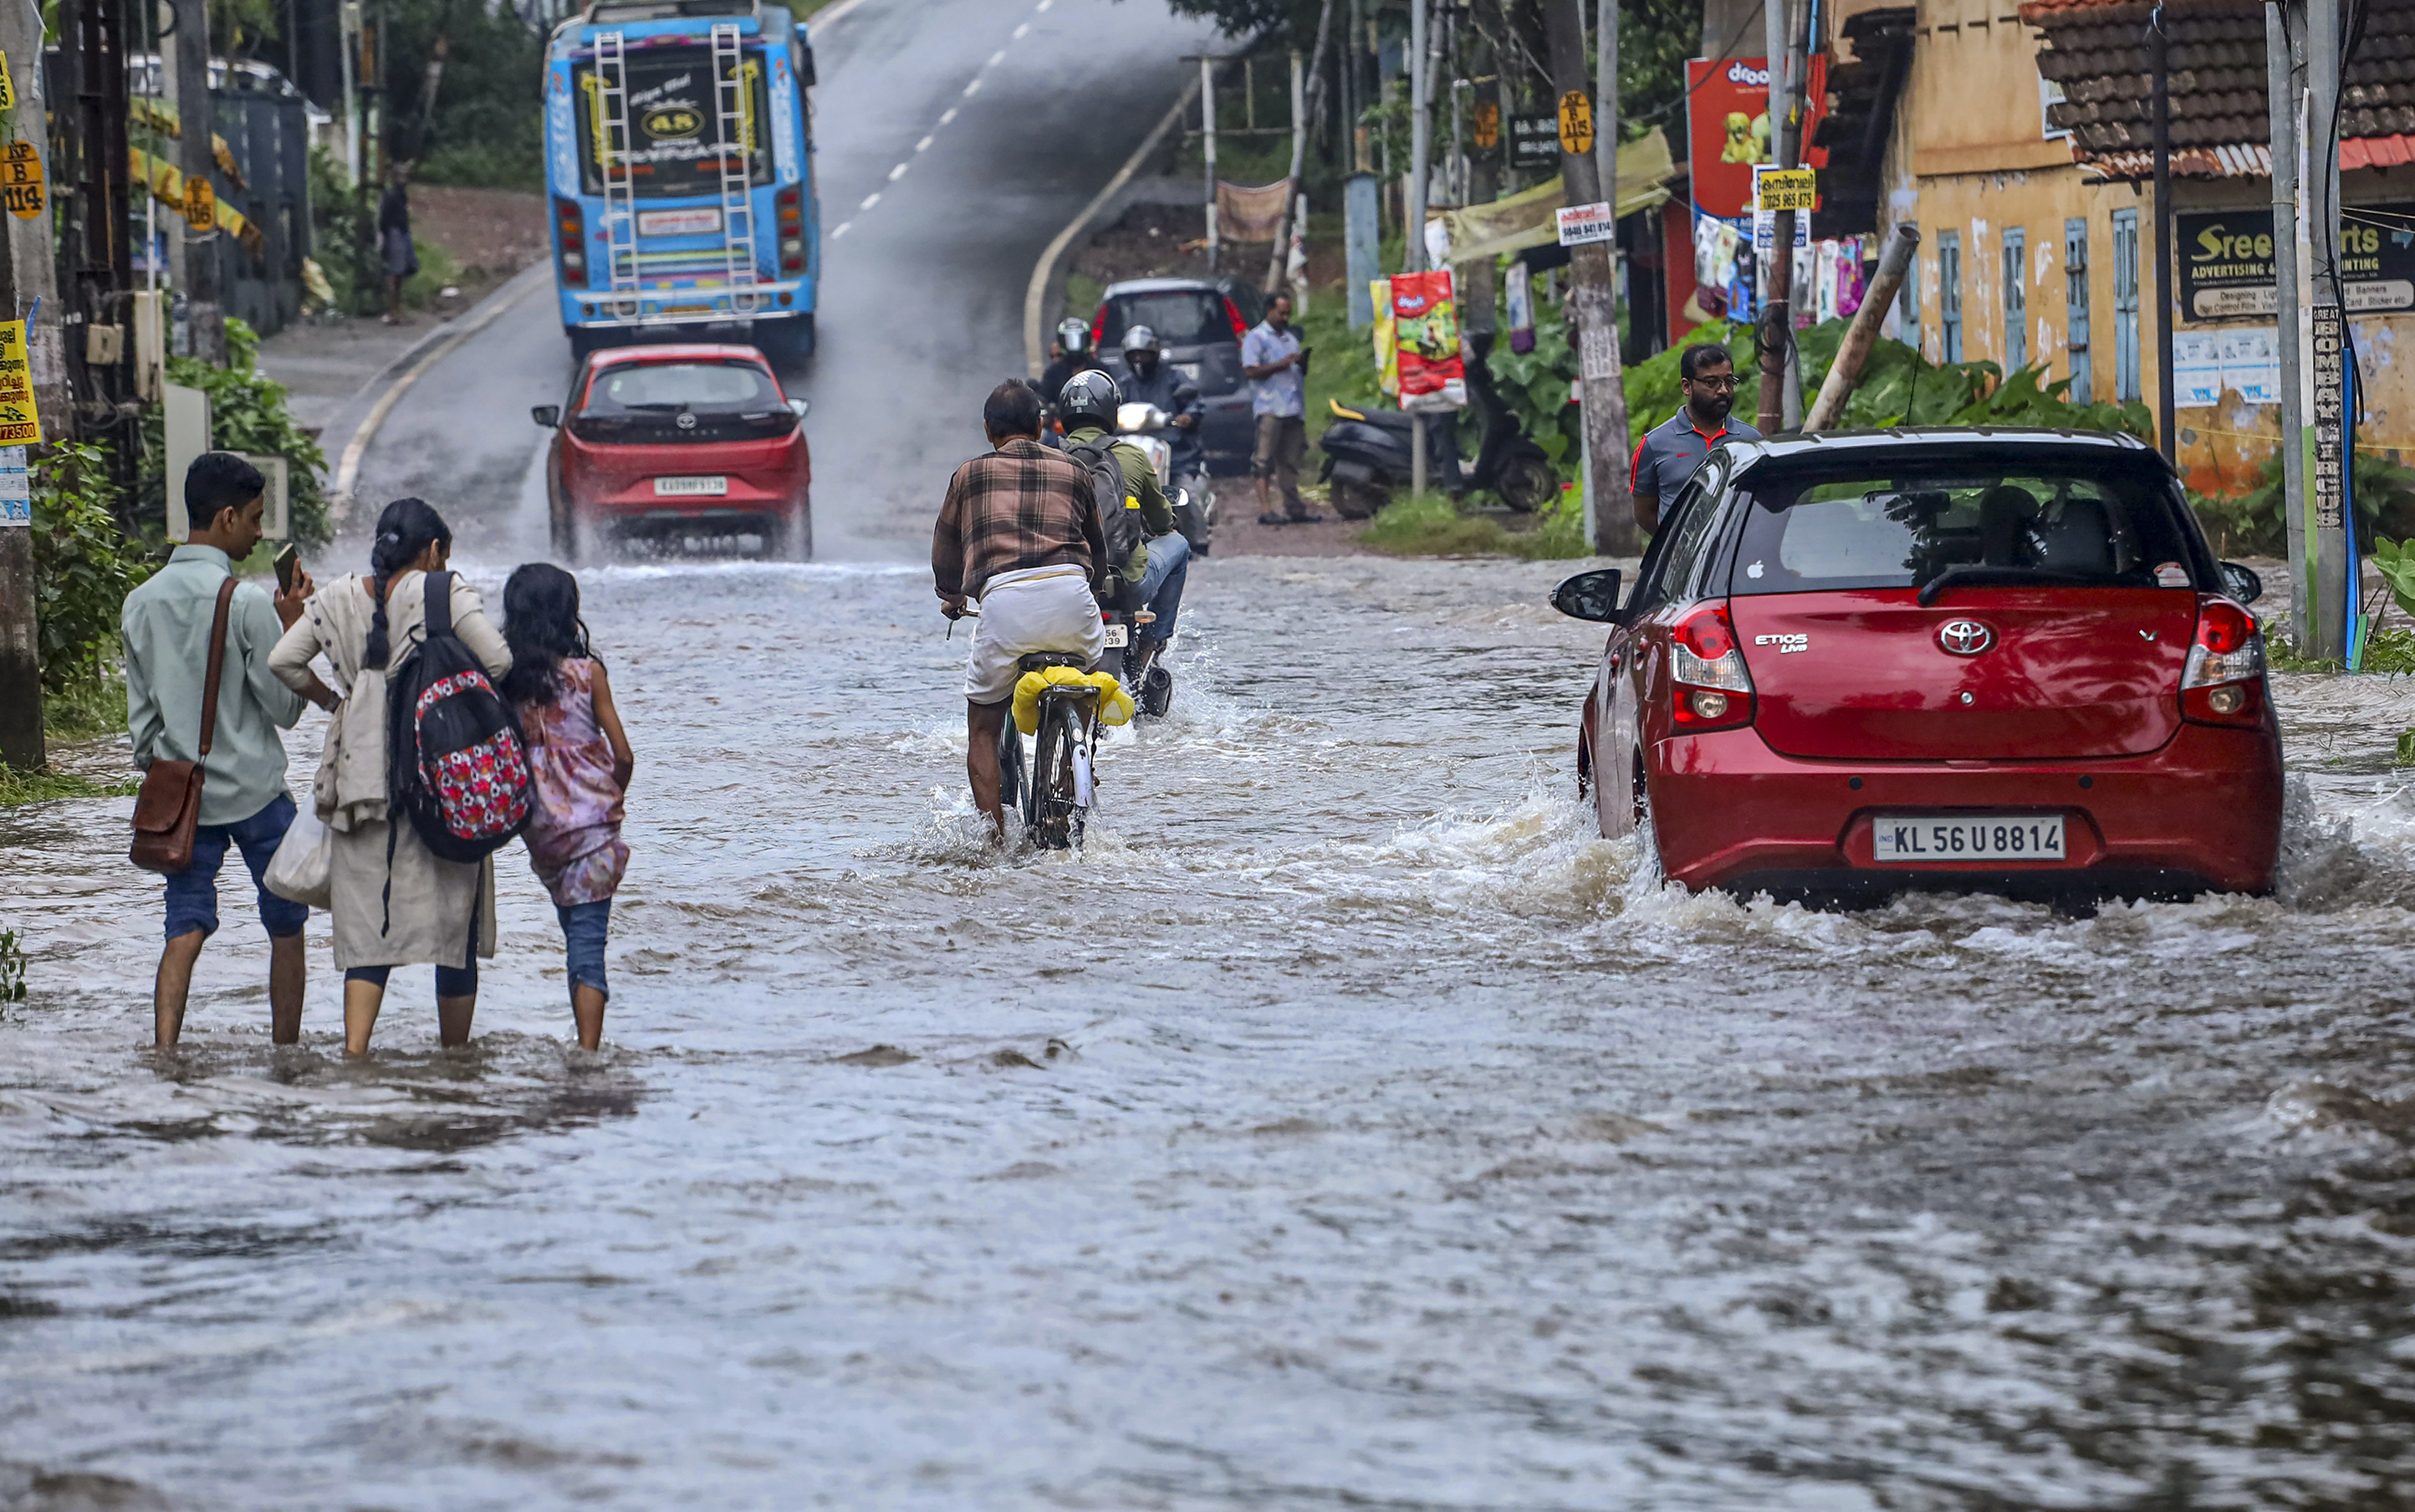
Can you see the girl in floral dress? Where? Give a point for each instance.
(581, 760)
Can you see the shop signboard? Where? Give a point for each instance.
(2226, 263)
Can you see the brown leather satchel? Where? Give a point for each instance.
(170, 804)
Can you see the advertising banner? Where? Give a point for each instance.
(1425, 320)
(2226, 263)
(1727, 118)
(19, 426)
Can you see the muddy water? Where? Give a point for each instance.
(1345, 1126)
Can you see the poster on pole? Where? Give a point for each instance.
(1728, 129)
(21, 424)
(16, 490)
(1425, 320)
(2328, 479)
(1582, 223)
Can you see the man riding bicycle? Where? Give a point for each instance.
(1019, 532)
(1159, 565)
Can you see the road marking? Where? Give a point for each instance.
(348, 469)
(946, 115)
(924, 145)
(844, 227)
(1045, 272)
(996, 58)
(897, 172)
(1020, 32)
(869, 200)
(972, 89)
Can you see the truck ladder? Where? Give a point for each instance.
(734, 129)
(612, 106)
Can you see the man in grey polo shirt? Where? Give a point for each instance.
(1669, 453)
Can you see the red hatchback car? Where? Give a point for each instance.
(674, 441)
(1971, 660)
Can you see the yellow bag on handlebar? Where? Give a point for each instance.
(1115, 704)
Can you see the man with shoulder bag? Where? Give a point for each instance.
(204, 711)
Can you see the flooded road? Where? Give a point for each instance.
(1345, 1126)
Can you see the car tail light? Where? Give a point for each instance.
(2223, 680)
(571, 222)
(1240, 327)
(791, 204)
(1709, 688)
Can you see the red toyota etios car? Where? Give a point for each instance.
(1971, 660)
(678, 440)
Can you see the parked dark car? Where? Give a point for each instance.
(1200, 323)
(1974, 660)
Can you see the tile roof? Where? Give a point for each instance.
(2096, 50)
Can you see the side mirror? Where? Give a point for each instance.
(548, 415)
(800, 405)
(1589, 596)
(2242, 582)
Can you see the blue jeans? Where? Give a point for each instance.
(193, 892)
(1161, 584)
(583, 927)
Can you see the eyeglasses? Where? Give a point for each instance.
(1716, 385)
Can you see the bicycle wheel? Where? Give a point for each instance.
(1013, 789)
(1056, 811)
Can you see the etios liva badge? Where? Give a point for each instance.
(1786, 645)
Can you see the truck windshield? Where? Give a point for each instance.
(673, 146)
(2074, 520)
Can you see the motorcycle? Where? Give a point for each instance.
(1367, 452)
(1150, 428)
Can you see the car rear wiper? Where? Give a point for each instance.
(1979, 575)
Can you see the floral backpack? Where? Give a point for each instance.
(456, 764)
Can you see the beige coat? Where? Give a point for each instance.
(434, 903)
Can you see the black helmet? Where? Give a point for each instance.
(1088, 395)
(1138, 339)
(1074, 335)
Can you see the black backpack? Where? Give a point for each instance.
(456, 764)
(1118, 507)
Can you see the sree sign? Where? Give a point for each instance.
(1576, 123)
(20, 423)
(1786, 188)
(21, 178)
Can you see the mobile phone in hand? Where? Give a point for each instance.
(289, 565)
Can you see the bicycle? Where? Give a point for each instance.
(1053, 792)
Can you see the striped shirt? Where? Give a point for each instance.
(1019, 506)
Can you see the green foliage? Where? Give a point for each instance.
(343, 234)
(488, 126)
(47, 787)
(2395, 562)
(2252, 523)
(84, 565)
(248, 414)
(1430, 525)
(82, 710)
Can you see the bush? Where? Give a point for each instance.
(343, 234)
(2251, 523)
(84, 568)
(248, 414)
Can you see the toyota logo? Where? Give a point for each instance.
(1965, 638)
(688, 422)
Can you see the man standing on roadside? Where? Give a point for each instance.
(1019, 532)
(1277, 366)
(1669, 452)
(166, 625)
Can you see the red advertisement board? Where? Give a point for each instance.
(1727, 121)
(1426, 315)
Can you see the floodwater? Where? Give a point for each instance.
(1345, 1126)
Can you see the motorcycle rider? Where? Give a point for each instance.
(1075, 353)
(1151, 380)
(1154, 576)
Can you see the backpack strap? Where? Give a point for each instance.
(436, 601)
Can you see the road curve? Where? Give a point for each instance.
(956, 138)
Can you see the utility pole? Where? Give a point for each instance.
(2159, 69)
(1781, 383)
(1413, 249)
(1207, 144)
(28, 292)
(2281, 92)
(2334, 602)
(205, 314)
(1593, 298)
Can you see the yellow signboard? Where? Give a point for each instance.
(8, 85)
(1786, 188)
(19, 426)
(20, 179)
(1576, 123)
(201, 203)
(1488, 124)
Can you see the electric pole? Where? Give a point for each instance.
(1592, 294)
(29, 293)
(197, 132)
(2335, 603)
(2282, 89)
(1781, 383)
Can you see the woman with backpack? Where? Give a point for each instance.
(396, 901)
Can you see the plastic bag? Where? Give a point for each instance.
(303, 869)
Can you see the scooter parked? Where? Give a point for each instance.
(1367, 452)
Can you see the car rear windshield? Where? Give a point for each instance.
(2088, 520)
(665, 388)
(1180, 317)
